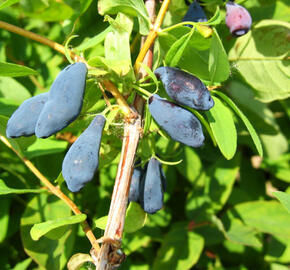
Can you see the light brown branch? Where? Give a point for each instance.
(132, 131)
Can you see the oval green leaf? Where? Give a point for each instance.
(223, 127)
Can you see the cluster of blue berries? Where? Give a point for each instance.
(148, 184)
(48, 113)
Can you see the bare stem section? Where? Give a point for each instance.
(116, 218)
(108, 256)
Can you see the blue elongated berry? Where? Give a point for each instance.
(82, 159)
(180, 124)
(135, 183)
(195, 13)
(23, 121)
(64, 101)
(152, 187)
(184, 88)
(238, 19)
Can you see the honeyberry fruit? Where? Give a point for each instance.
(82, 159)
(135, 184)
(238, 19)
(195, 13)
(184, 88)
(64, 100)
(180, 124)
(23, 121)
(152, 187)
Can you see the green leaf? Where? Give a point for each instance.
(22, 265)
(220, 183)
(101, 222)
(189, 156)
(274, 145)
(219, 68)
(135, 218)
(134, 221)
(175, 52)
(284, 198)
(40, 229)
(92, 95)
(180, 250)
(134, 8)
(117, 44)
(223, 127)
(4, 216)
(262, 58)
(280, 167)
(195, 56)
(7, 107)
(276, 266)
(13, 70)
(216, 18)
(278, 250)
(54, 11)
(8, 3)
(236, 231)
(53, 250)
(45, 147)
(256, 111)
(256, 214)
(241, 234)
(94, 41)
(13, 90)
(247, 123)
(5, 190)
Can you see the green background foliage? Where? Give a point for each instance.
(226, 206)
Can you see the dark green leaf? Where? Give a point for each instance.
(247, 123)
(4, 190)
(284, 198)
(223, 127)
(22, 265)
(135, 218)
(45, 147)
(8, 3)
(256, 214)
(180, 250)
(4, 216)
(51, 251)
(219, 68)
(40, 229)
(13, 70)
(262, 58)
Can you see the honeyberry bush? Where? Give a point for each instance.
(227, 203)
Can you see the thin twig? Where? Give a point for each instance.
(54, 45)
(132, 131)
(57, 192)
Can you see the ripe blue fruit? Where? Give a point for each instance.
(64, 100)
(152, 187)
(238, 19)
(184, 88)
(135, 183)
(82, 159)
(195, 13)
(23, 121)
(180, 124)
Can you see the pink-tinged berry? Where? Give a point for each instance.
(238, 19)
